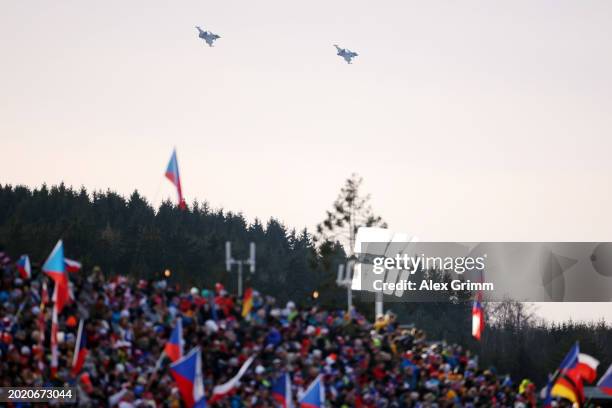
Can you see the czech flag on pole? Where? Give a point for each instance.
(172, 174)
(80, 351)
(174, 346)
(24, 267)
(314, 396)
(605, 382)
(281, 391)
(55, 267)
(187, 373)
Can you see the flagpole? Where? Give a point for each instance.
(78, 342)
(239, 279)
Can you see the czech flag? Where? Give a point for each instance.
(172, 174)
(247, 302)
(55, 267)
(187, 373)
(314, 396)
(174, 346)
(605, 382)
(24, 267)
(80, 351)
(477, 320)
(72, 265)
(281, 391)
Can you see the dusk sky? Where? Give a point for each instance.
(470, 121)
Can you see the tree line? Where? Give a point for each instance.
(128, 236)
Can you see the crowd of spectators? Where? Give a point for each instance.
(127, 323)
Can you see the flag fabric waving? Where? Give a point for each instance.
(247, 302)
(221, 391)
(568, 383)
(86, 383)
(314, 396)
(187, 373)
(571, 359)
(477, 320)
(24, 267)
(568, 386)
(580, 368)
(576, 368)
(172, 174)
(55, 267)
(80, 351)
(281, 391)
(605, 382)
(72, 265)
(174, 346)
(587, 367)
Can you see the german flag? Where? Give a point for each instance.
(569, 386)
(247, 302)
(575, 368)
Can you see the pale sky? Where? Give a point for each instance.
(469, 121)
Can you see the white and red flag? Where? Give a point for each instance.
(72, 265)
(80, 351)
(223, 390)
(478, 321)
(587, 367)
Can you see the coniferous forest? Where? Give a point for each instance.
(128, 236)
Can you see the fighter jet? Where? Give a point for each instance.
(207, 36)
(347, 54)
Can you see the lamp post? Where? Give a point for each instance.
(229, 261)
(368, 244)
(345, 279)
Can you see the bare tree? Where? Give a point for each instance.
(511, 314)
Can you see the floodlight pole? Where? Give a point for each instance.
(229, 261)
(346, 280)
(239, 278)
(378, 304)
